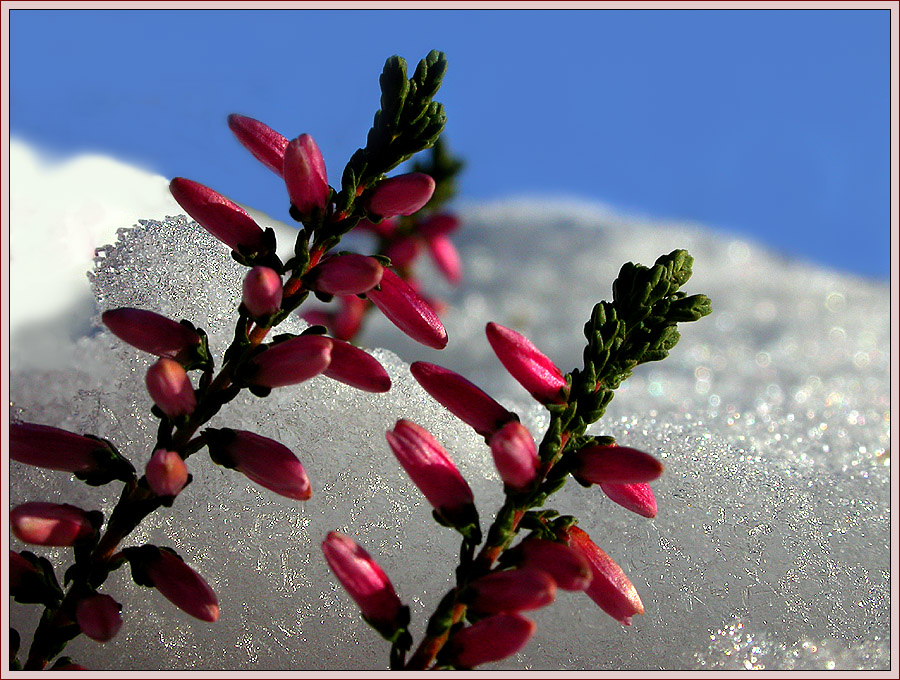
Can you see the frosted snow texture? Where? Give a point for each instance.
(771, 548)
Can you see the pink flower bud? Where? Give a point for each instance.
(305, 177)
(182, 586)
(347, 274)
(430, 468)
(263, 142)
(348, 319)
(292, 361)
(50, 523)
(638, 498)
(534, 371)
(568, 567)
(262, 292)
(515, 455)
(490, 639)
(99, 617)
(262, 460)
(383, 229)
(21, 571)
(55, 449)
(466, 401)
(170, 388)
(408, 311)
(166, 473)
(596, 464)
(364, 581)
(445, 257)
(356, 368)
(403, 251)
(401, 195)
(150, 332)
(221, 217)
(609, 588)
(438, 225)
(513, 590)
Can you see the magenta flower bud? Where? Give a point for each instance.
(150, 332)
(438, 225)
(638, 498)
(265, 461)
(182, 586)
(534, 371)
(356, 368)
(21, 571)
(347, 321)
(401, 195)
(305, 177)
(515, 455)
(408, 311)
(266, 145)
(364, 581)
(609, 587)
(51, 524)
(384, 229)
(99, 617)
(514, 590)
(403, 251)
(596, 464)
(430, 468)
(262, 292)
(463, 399)
(445, 258)
(221, 217)
(490, 639)
(568, 568)
(166, 473)
(170, 388)
(292, 361)
(347, 274)
(49, 447)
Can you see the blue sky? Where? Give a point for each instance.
(772, 124)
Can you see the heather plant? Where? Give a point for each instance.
(513, 565)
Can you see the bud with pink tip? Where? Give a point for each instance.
(55, 449)
(354, 367)
(265, 461)
(266, 145)
(364, 581)
(262, 292)
(348, 318)
(163, 569)
(401, 195)
(408, 311)
(609, 588)
(488, 640)
(384, 229)
(463, 399)
(430, 468)
(515, 455)
(568, 567)
(347, 274)
(52, 524)
(403, 251)
(438, 225)
(445, 258)
(290, 362)
(534, 371)
(166, 473)
(99, 617)
(220, 216)
(150, 332)
(512, 590)
(638, 498)
(596, 464)
(304, 174)
(170, 388)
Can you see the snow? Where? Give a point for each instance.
(771, 548)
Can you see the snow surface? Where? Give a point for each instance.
(771, 548)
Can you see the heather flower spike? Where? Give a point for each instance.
(609, 587)
(638, 498)
(220, 216)
(462, 398)
(262, 290)
(266, 145)
(291, 361)
(150, 332)
(430, 468)
(99, 617)
(347, 274)
(401, 195)
(52, 524)
(265, 461)
(488, 640)
(163, 569)
(534, 371)
(305, 177)
(170, 388)
(365, 582)
(512, 590)
(569, 568)
(408, 311)
(597, 464)
(166, 473)
(354, 367)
